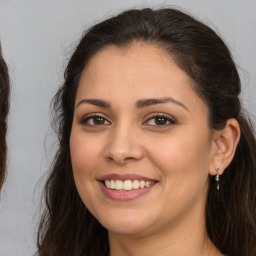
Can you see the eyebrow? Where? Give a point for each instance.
(139, 104)
(149, 102)
(96, 102)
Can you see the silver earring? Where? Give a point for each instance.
(217, 178)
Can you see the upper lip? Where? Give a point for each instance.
(123, 177)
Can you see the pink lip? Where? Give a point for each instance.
(123, 177)
(122, 195)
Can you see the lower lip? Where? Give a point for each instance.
(124, 195)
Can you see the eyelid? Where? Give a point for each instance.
(91, 115)
(168, 117)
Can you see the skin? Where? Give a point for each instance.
(179, 154)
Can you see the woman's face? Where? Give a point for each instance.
(140, 129)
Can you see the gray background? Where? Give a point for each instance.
(37, 39)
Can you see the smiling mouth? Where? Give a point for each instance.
(127, 185)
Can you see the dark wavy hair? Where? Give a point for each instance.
(67, 227)
(4, 108)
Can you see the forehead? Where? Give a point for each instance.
(139, 70)
(133, 61)
(141, 55)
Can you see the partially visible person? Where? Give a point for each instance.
(4, 108)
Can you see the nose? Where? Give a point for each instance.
(124, 145)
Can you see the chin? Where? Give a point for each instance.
(125, 229)
(128, 224)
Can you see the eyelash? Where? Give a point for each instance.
(164, 117)
(86, 119)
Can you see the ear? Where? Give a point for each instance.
(224, 146)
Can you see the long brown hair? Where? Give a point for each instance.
(4, 108)
(67, 227)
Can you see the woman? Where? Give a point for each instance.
(155, 155)
(4, 107)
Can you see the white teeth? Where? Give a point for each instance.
(107, 183)
(142, 184)
(112, 184)
(147, 184)
(127, 184)
(135, 184)
(119, 185)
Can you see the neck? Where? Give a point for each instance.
(185, 244)
(188, 238)
(177, 247)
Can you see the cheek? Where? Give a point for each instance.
(84, 158)
(183, 165)
(84, 153)
(182, 158)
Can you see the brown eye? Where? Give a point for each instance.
(98, 120)
(95, 121)
(160, 120)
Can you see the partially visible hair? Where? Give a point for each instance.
(67, 227)
(4, 108)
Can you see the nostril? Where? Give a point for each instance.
(129, 158)
(118, 160)
(121, 160)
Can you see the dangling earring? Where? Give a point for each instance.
(217, 178)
